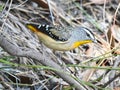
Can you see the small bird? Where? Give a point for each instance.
(62, 39)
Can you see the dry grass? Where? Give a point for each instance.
(94, 66)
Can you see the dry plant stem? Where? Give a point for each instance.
(15, 50)
(116, 13)
(1, 55)
(111, 80)
(112, 74)
(51, 13)
(6, 86)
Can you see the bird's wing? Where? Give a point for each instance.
(57, 33)
(60, 33)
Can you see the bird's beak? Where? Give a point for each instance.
(95, 41)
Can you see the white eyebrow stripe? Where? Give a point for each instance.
(90, 33)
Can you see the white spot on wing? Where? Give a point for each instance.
(47, 27)
(43, 25)
(39, 26)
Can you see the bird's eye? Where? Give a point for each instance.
(88, 34)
